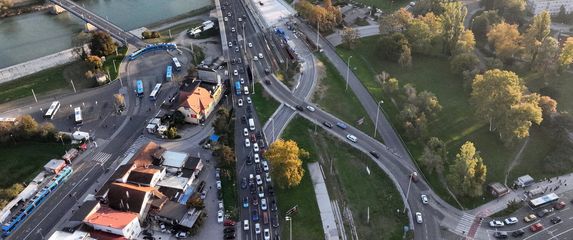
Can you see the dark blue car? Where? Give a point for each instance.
(341, 125)
(255, 216)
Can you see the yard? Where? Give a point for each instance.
(455, 124)
(350, 185)
(265, 105)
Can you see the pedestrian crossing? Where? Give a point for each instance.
(465, 224)
(101, 157)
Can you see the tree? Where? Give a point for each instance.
(227, 155)
(505, 40)
(512, 11)
(171, 133)
(547, 57)
(327, 16)
(562, 15)
(419, 35)
(466, 43)
(47, 131)
(178, 118)
(566, 56)
(464, 62)
(102, 44)
(391, 85)
(467, 173)
(395, 22)
(414, 121)
(548, 106)
(434, 155)
(349, 37)
(483, 23)
(285, 157)
(6, 4)
(428, 6)
(453, 24)
(119, 100)
(390, 47)
(95, 61)
(428, 103)
(405, 59)
(535, 35)
(500, 99)
(26, 126)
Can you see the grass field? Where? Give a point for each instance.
(108, 65)
(332, 96)
(47, 80)
(455, 124)
(21, 162)
(385, 5)
(348, 182)
(264, 103)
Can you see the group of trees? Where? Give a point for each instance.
(25, 128)
(102, 44)
(327, 15)
(224, 126)
(285, 157)
(513, 11)
(7, 194)
(5, 5)
(150, 34)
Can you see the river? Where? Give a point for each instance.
(29, 36)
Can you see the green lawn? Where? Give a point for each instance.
(265, 105)
(47, 80)
(385, 5)
(108, 65)
(348, 183)
(455, 124)
(21, 162)
(229, 190)
(332, 96)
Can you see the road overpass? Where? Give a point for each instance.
(102, 24)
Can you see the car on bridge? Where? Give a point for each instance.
(327, 124)
(352, 138)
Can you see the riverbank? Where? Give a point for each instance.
(25, 7)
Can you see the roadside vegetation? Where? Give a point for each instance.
(348, 183)
(265, 105)
(433, 54)
(224, 151)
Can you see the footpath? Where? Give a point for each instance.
(324, 204)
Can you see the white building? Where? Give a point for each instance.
(552, 6)
(120, 223)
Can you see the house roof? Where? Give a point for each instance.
(127, 197)
(198, 100)
(99, 235)
(174, 159)
(169, 192)
(145, 155)
(111, 218)
(173, 182)
(143, 175)
(55, 164)
(192, 163)
(172, 210)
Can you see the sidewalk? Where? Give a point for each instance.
(323, 200)
(558, 185)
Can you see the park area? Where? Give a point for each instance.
(456, 123)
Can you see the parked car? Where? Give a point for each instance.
(310, 108)
(500, 234)
(496, 223)
(530, 218)
(517, 233)
(556, 220)
(219, 184)
(536, 227)
(265, 166)
(229, 223)
(263, 204)
(257, 158)
(511, 221)
(542, 213)
(300, 108)
(559, 205)
(220, 216)
(181, 234)
(229, 230)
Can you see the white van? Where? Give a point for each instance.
(246, 90)
(251, 124)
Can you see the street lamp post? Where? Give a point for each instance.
(272, 120)
(347, 72)
(408, 192)
(377, 113)
(40, 232)
(289, 219)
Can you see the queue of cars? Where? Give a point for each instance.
(535, 227)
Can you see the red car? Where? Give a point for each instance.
(229, 223)
(559, 205)
(536, 227)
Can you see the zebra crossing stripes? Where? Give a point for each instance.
(465, 223)
(101, 157)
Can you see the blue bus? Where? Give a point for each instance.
(169, 73)
(238, 88)
(139, 86)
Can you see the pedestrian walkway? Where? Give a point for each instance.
(323, 199)
(101, 157)
(465, 223)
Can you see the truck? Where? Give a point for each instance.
(80, 136)
(251, 124)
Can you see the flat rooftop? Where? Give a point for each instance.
(273, 11)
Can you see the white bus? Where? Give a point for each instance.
(52, 110)
(176, 64)
(78, 115)
(156, 89)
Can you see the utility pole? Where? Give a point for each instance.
(317, 35)
(376, 122)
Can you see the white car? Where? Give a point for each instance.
(233, 29)
(265, 166)
(424, 199)
(235, 72)
(256, 147)
(352, 138)
(230, 44)
(247, 142)
(226, 19)
(219, 184)
(220, 205)
(249, 100)
(255, 58)
(250, 45)
(310, 108)
(257, 158)
(264, 204)
(240, 102)
(246, 225)
(242, 81)
(260, 55)
(419, 217)
(261, 191)
(511, 221)
(267, 234)
(259, 180)
(257, 228)
(268, 177)
(220, 216)
(496, 223)
(245, 132)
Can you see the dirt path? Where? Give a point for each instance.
(515, 159)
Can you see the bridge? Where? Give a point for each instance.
(102, 24)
